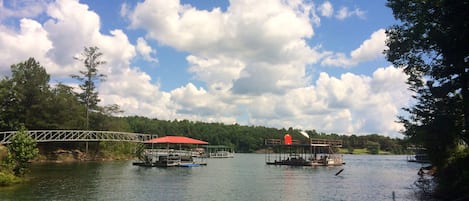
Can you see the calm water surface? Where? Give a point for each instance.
(245, 177)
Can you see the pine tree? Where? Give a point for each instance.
(91, 58)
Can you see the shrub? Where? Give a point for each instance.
(7, 179)
(22, 149)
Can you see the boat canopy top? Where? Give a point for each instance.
(175, 140)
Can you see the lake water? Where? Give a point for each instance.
(245, 177)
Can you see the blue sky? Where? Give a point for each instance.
(302, 64)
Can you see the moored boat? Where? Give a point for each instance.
(218, 151)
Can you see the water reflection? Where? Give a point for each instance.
(244, 177)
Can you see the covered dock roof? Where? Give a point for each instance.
(175, 140)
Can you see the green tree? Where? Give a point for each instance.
(350, 149)
(8, 105)
(22, 149)
(430, 44)
(67, 110)
(25, 96)
(372, 147)
(91, 58)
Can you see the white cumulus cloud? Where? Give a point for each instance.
(247, 33)
(21, 8)
(370, 49)
(344, 13)
(349, 104)
(145, 50)
(30, 41)
(326, 9)
(252, 58)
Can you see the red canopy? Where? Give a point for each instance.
(176, 140)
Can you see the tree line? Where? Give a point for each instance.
(251, 138)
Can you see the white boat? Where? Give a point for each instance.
(218, 151)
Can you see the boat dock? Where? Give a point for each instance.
(317, 152)
(419, 155)
(170, 151)
(169, 158)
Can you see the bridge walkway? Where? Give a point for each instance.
(78, 136)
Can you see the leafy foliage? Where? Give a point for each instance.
(67, 110)
(372, 147)
(6, 162)
(430, 44)
(7, 179)
(25, 96)
(22, 149)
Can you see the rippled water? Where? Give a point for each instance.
(245, 177)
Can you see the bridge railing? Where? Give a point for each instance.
(78, 135)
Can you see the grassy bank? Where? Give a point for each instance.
(361, 151)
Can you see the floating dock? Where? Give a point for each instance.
(318, 152)
(169, 152)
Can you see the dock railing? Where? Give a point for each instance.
(314, 142)
(333, 143)
(278, 142)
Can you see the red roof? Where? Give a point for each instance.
(176, 140)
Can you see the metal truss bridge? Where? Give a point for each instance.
(78, 136)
